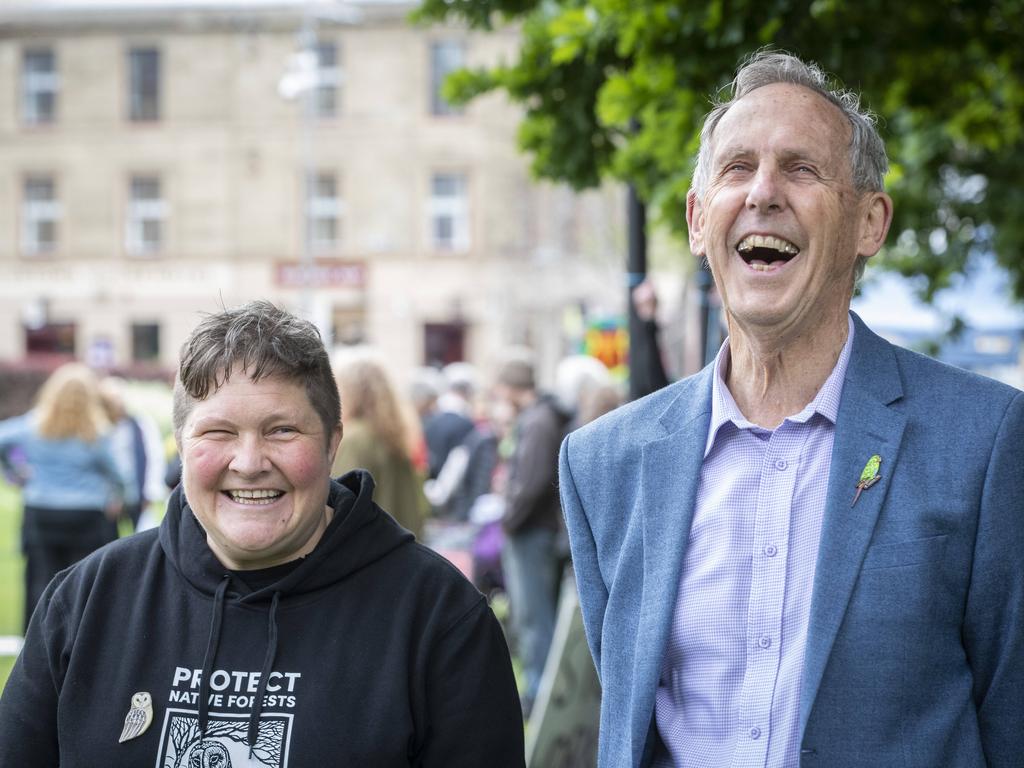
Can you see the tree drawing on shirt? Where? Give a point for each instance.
(190, 748)
(183, 733)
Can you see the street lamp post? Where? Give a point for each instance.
(301, 80)
(636, 273)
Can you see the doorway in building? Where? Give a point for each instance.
(443, 343)
(50, 340)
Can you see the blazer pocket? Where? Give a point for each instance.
(902, 553)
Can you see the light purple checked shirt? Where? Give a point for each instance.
(729, 693)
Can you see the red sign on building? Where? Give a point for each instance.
(322, 273)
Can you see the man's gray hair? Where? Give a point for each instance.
(868, 161)
(264, 341)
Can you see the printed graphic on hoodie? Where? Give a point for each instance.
(224, 745)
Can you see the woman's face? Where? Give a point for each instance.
(256, 469)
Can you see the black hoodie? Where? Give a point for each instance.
(372, 651)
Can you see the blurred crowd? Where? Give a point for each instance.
(468, 461)
(465, 459)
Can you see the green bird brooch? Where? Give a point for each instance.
(869, 476)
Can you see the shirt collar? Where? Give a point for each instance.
(724, 409)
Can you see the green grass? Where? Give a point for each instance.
(6, 662)
(11, 567)
(11, 570)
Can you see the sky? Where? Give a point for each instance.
(981, 298)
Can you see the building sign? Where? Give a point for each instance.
(323, 273)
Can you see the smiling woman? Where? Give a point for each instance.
(255, 465)
(264, 570)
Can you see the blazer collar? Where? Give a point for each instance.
(867, 424)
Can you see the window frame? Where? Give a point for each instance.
(35, 213)
(140, 211)
(34, 85)
(136, 330)
(439, 69)
(328, 80)
(316, 208)
(453, 208)
(141, 109)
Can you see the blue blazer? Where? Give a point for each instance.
(915, 648)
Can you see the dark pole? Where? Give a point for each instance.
(704, 283)
(636, 271)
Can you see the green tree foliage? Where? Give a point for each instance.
(619, 88)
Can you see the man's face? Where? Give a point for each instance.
(256, 465)
(780, 221)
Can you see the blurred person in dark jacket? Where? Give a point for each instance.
(532, 519)
(449, 419)
(468, 468)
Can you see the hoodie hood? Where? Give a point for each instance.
(359, 534)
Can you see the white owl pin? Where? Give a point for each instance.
(138, 718)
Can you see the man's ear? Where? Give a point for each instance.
(876, 216)
(695, 223)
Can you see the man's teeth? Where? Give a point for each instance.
(750, 242)
(255, 496)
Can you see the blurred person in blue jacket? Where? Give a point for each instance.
(73, 489)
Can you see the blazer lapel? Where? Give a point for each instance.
(865, 426)
(669, 476)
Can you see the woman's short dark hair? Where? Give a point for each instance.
(264, 341)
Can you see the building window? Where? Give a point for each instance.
(39, 86)
(143, 84)
(146, 216)
(328, 80)
(323, 212)
(40, 215)
(445, 57)
(449, 212)
(348, 325)
(145, 342)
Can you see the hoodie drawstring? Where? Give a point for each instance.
(268, 667)
(211, 654)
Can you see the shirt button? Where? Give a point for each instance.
(771, 550)
(764, 641)
(781, 464)
(755, 732)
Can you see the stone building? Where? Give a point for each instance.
(161, 159)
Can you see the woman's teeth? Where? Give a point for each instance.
(255, 496)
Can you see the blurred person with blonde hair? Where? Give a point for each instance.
(74, 489)
(379, 437)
